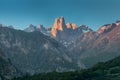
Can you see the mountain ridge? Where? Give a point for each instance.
(35, 50)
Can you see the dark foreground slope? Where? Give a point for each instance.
(102, 71)
(7, 70)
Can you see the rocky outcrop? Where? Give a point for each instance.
(31, 28)
(74, 26)
(59, 25)
(68, 25)
(117, 23)
(71, 26)
(106, 28)
(85, 28)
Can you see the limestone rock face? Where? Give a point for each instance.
(59, 25)
(74, 26)
(68, 25)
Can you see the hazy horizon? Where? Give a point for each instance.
(93, 13)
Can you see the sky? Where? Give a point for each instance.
(93, 13)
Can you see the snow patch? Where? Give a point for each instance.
(46, 46)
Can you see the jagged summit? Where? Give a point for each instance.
(59, 24)
(39, 28)
(31, 28)
(66, 32)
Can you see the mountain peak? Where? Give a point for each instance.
(58, 25)
(31, 25)
(31, 28)
(67, 32)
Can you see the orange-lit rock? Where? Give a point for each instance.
(68, 25)
(58, 25)
(106, 28)
(65, 32)
(74, 26)
(101, 29)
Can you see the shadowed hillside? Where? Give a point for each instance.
(101, 71)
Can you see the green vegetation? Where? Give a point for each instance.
(101, 71)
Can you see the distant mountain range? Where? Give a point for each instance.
(64, 47)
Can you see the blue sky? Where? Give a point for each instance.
(93, 13)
